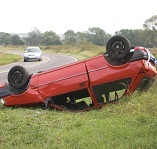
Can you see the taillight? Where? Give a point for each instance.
(145, 67)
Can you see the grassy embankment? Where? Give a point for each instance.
(129, 124)
(6, 58)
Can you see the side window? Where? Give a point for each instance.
(109, 92)
(77, 100)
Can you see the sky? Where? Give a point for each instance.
(22, 16)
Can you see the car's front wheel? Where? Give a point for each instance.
(18, 77)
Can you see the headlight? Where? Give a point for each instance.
(25, 55)
(38, 54)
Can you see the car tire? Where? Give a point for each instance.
(14, 91)
(18, 77)
(118, 47)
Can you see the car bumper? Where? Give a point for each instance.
(32, 58)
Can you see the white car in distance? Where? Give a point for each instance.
(32, 53)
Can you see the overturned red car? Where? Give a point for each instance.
(86, 84)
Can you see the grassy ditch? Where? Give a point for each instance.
(130, 123)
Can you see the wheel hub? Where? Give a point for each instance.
(117, 47)
(17, 77)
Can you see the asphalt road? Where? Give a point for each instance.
(49, 61)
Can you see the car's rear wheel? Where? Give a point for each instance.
(18, 77)
(118, 47)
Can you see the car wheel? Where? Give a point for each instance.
(14, 91)
(118, 47)
(18, 77)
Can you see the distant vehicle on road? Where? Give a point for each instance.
(32, 53)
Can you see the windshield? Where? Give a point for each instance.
(32, 50)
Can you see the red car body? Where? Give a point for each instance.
(85, 84)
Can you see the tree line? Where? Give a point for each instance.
(146, 37)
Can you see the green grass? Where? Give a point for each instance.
(79, 51)
(6, 58)
(129, 124)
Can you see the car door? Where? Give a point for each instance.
(106, 79)
(63, 80)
